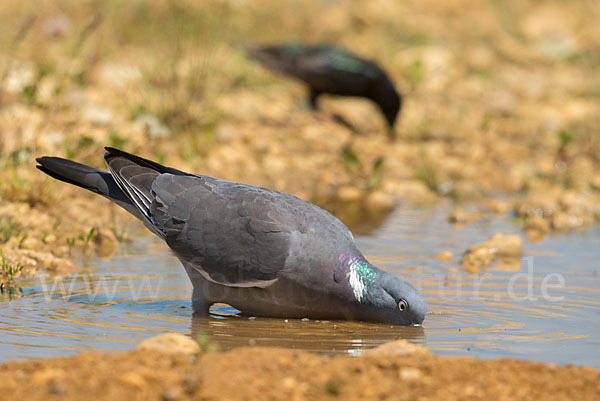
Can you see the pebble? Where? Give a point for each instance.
(31, 244)
(133, 379)
(536, 228)
(378, 200)
(172, 394)
(50, 239)
(496, 206)
(350, 194)
(480, 256)
(47, 375)
(410, 374)
(57, 25)
(397, 348)
(460, 216)
(565, 222)
(505, 245)
(170, 343)
(97, 115)
(152, 126)
(475, 260)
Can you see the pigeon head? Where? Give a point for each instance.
(403, 297)
(382, 296)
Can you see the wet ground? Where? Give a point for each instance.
(544, 307)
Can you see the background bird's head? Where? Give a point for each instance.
(388, 100)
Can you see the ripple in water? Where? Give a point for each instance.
(545, 308)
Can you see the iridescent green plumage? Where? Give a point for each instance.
(331, 70)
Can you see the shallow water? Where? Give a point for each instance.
(511, 310)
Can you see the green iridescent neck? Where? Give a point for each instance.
(361, 275)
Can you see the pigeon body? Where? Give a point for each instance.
(263, 252)
(331, 70)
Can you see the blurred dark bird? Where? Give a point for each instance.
(329, 69)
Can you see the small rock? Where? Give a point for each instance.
(410, 374)
(97, 115)
(350, 194)
(57, 26)
(378, 200)
(18, 78)
(480, 256)
(505, 245)
(397, 348)
(56, 389)
(460, 216)
(289, 382)
(595, 182)
(133, 379)
(410, 191)
(497, 206)
(172, 394)
(537, 206)
(31, 244)
(509, 265)
(537, 224)
(445, 256)
(576, 204)
(170, 343)
(152, 126)
(536, 228)
(47, 375)
(118, 75)
(50, 239)
(566, 222)
(475, 260)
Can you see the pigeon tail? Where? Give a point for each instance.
(83, 176)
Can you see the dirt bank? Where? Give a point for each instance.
(279, 374)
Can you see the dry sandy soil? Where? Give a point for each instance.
(280, 374)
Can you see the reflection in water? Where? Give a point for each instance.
(230, 331)
(525, 311)
(360, 220)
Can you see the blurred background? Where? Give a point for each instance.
(501, 106)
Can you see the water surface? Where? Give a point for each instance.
(543, 307)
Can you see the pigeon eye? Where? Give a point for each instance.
(402, 305)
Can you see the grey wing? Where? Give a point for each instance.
(232, 234)
(226, 231)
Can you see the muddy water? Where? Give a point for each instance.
(544, 307)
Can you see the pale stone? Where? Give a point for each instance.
(170, 343)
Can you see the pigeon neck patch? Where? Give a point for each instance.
(361, 275)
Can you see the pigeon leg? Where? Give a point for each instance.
(312, 100)
(391, 134)
(199, 304)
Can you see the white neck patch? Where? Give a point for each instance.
(356, 282)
